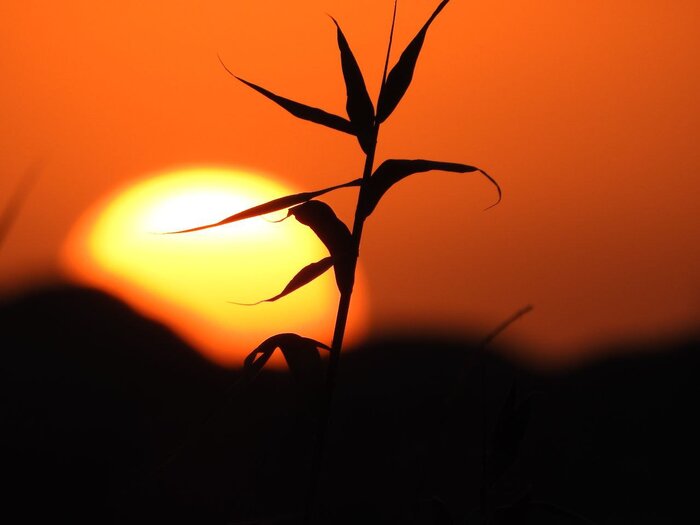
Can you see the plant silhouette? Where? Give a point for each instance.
(363, 122)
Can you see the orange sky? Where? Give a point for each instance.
(585, 112)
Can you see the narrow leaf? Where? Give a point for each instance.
(321, 218)
(272, 206)
(392, 171)
(388, 49)
(299, 110)
(402, 73)
(359, 105)
(302, 278)
(334, 234)
(256, 360)
(290, 344)
(304, 362)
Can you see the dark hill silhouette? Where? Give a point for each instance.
(105, 420)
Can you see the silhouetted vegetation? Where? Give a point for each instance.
(343, 244)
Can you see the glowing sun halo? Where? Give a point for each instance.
(189, 281)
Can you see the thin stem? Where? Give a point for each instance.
(336, 346)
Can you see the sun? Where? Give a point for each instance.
(191, 281)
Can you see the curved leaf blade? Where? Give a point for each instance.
(402, 73)
(272, 206)
(299, 110)
(302, 278)
(359, 105)
(290, 344)
(321, 218)
(392, 171)
(304, 362)
(333, 232)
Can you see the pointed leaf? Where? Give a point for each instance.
(302, 278)
(359, 105)
(334, 234)
(272, 206)
(256, 360)
(299, 110)
(402, 73)
(392, 171)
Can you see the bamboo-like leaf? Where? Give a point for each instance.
(333, 232)
(304, 362)
(303, 277)
(392, 171)
(299, 110)
(402, 73)
(321, 218)
(292, 347)
(359, 105)
(272, 206)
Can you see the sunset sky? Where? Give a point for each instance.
(586, 113)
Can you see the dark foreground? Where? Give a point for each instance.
(109, 418)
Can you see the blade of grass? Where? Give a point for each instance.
(299, 110)
(270, 207)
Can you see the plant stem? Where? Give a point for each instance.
(337, 344)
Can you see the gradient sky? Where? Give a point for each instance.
(585, 112)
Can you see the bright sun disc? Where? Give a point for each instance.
(190, 281)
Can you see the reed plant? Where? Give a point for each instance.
(363, 122)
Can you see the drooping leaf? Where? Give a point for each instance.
(272, 206)
(256, 360)
(321, 218)
(333, 232)
(392, 171)
(303, 277)
(301, 354)
(304, 361)
(359, 105)
(402, 73)
(299, 110)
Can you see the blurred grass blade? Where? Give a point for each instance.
(303, 277)
(299, 110)
(359, 105)
(17, 200)
(402, 73)
(392, 171)
(333, 232)
(272, 206)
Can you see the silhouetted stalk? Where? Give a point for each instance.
(19, 197)
(341, 321)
